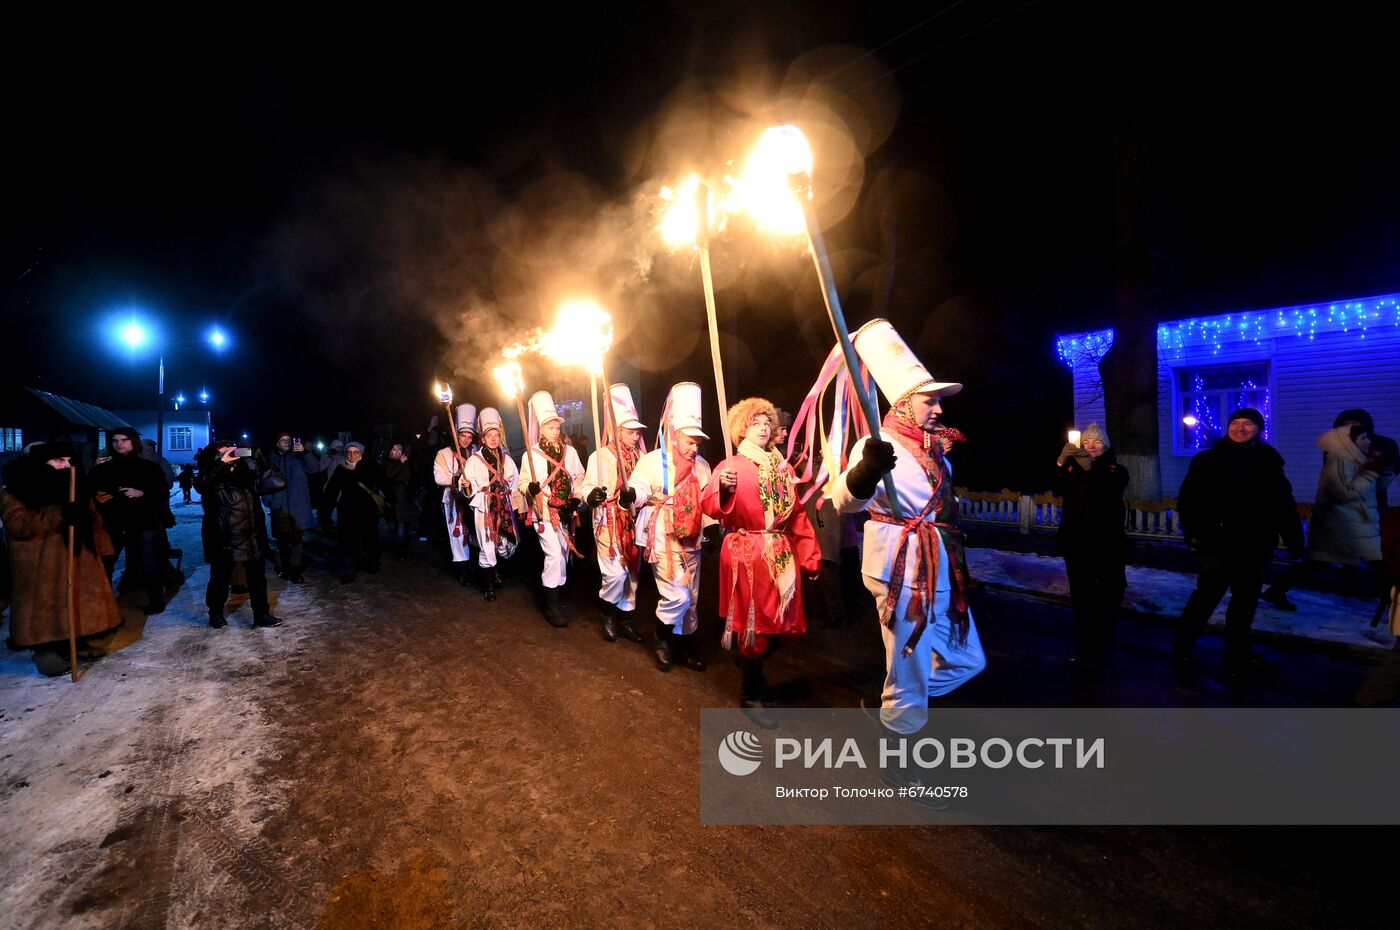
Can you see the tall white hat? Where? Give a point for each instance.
(685, 409)
(466, 417)
(489, 418)
(895, 367)
(624, 409)
(542, 408)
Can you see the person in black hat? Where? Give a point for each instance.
(1234, 506)
(134, 501)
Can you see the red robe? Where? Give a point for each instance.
(759, 546)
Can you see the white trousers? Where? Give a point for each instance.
(554, 545)
(486, 548)
(461, 545)
(680, 599)
(619, 586)
(937, 666)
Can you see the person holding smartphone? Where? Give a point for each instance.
(291, 507)
(234, 531)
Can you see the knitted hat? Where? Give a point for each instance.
(1247, 413)
(1094, 431)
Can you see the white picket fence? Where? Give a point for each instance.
(1028, 512)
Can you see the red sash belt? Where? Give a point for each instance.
(923, 586)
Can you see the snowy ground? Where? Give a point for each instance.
(1332, 618)
(402, 755)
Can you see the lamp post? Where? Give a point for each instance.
(135, 335)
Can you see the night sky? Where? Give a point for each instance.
(367, 203)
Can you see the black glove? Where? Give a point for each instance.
(569, 506)
(76, 514)
(627, 497)
(532, 488)
(876, 460)
(597, 496)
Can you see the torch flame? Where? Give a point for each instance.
(680, 218)
(443, 392)
(764, 190)
(509, 377)
(582, 335)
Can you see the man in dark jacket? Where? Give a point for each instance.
(353, 489)
(1234, 506)
(291, 507)
(234, 529)
(134, 501)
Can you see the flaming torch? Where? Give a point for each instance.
(444, 395)
(776, 190)
(581, 337)
(687, 222)
(512, 384)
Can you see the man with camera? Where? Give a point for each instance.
(231, 482)
(291, 507)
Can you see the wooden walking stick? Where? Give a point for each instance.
(72, 564)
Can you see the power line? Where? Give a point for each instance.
(889, 42)
(948, 44)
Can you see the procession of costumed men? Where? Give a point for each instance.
(653, 506)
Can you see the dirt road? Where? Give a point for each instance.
(402, 754)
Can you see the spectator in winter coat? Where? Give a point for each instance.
(134, 501)
(352, 489)
(1234, 505)
(186, 480)
(401, 478)
(1092, 539)
(36, 514)
(1384, 450)
(149, 453)
(291, 507)
(234, 531)
(1345, 524)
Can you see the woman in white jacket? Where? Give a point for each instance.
(1345, 523)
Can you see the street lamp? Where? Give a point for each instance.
(133, 333)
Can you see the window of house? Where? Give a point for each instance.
(181, 439)
(1207, 394)
(11, 440)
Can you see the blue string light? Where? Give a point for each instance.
(1216, 333)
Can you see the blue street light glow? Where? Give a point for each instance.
(203, 396)
(134, 335)
(217, 339)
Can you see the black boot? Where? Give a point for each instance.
(662, 647)
(267, 620)
(552, 611)
(217, 621)
(609, 614)
(753, 687)
(627, 628)
(463, 570)
(488, 584)
(690, 653)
